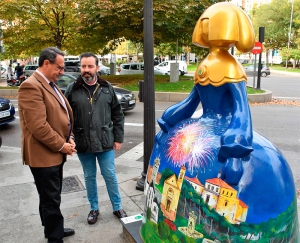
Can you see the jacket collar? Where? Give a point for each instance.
(79, 82)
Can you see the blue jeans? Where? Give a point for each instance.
(107, 167)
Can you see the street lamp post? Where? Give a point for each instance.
(289, 37)
(148, 91)
(1, 50)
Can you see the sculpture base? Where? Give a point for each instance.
(131, 228)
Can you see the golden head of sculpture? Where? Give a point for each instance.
(221, 26)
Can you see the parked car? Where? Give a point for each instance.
(165, 66)
(265, 71)
(7, 111)
(137, 68)
(29, 70)
(3, 72)
(72, 66)
(104, 70)
(126, 98)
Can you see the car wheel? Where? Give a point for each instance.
(263, 74)
(181, 73)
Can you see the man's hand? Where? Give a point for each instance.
(71, 141)
(69, 148)
(117, 146)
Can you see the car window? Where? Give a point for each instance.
(68, 64)
(64, 81)
(134, 67)
(124, 66)
(142, 66)
(163, 64)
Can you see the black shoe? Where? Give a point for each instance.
(120, 213)
(68, 232)
(92, 217)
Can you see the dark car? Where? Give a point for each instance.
(104, 70)
(265, 71)
(7, 111)
(72, 66)
(125, 97)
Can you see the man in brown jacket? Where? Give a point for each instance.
(46, 120)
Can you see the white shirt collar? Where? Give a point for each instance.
(42, 75)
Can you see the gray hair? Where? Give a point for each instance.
(49, 53)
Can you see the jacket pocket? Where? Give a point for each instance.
(107, 136)
(80, 140)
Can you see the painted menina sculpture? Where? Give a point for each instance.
(212, 178)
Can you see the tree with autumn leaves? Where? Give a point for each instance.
(92, 25)
(276, 18)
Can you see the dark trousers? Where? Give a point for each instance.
(48, 182)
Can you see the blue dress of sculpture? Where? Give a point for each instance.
(212, 178)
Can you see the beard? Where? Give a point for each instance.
(88, 79)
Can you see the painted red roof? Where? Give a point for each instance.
(219, 182)
(244, 205)
(194, 180)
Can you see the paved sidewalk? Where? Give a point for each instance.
(19, 217)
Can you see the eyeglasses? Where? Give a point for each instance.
(61, 68)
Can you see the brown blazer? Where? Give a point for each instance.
(44, 122)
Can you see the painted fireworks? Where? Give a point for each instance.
(193, 145)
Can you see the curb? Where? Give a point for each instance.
(177, 97)
(167, 96)
(8, 92)
(285, 73)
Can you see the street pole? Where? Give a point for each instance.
(1, 51)
(254, 74)
(261, 38)
(289, 37)
(259, 71)
(148, 91)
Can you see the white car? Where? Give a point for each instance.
(137, 68)
(166, 66)
(29, 69)
(3, 72)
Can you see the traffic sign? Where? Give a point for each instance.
(257, 48)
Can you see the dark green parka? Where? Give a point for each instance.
(98, 119)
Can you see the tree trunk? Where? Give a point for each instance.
(267, 56)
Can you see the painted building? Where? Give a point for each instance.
(152, 175)
(223, 198)
(171, 194)
(196, 184)
(151, 202)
